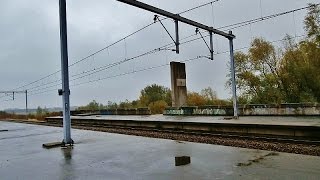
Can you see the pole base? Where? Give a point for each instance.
(67, 144)
(52, 145)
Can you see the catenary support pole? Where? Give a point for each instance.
(233, 78)
(26, 104)
(177, 36)
(211, 45)
(65, 73)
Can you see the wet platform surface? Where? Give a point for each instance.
(99, 155)
(268, 120)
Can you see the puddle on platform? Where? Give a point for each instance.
(257, 159)
(67, 152)
(180, 142)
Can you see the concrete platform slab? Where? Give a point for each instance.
(99, 155)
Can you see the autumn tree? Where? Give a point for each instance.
(111, 105)
(153, 93)
(312, 24)
(195, 99)
(209, 94)
(268, 75)
(93, 105)
(41, 111)
(158, 107)
(125, 104)
(301, 62)
(257, 73)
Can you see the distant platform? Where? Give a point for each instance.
(99, 155)
(287, 109)
(296, 127)
(265, 120)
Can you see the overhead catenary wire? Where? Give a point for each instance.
(245, 23)
(154, 67)
(197, 7)
(7, 100)
(249, 22)
(104, 67)
(233, 26)
(233, 81)
(107, 47)
(112, 44)
(118, 75)
(165, 47)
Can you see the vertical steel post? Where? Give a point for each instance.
(233, 78)
(65, 73)
(211, 45)
(177, 36)
(26, 104)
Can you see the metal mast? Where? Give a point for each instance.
(65, 92)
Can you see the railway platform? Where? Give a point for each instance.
(263, 120)
(100, 155)
(300, 126)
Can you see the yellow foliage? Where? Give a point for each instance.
(158, 107)
(195, 99)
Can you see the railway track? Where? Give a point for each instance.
(290, 140)
(255, 137)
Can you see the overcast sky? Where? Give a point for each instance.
(29, 45)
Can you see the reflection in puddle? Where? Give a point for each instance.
(67, 153)
(67, 165)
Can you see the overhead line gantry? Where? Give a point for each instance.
(12, 93)
(211, 30)
(65, 91)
